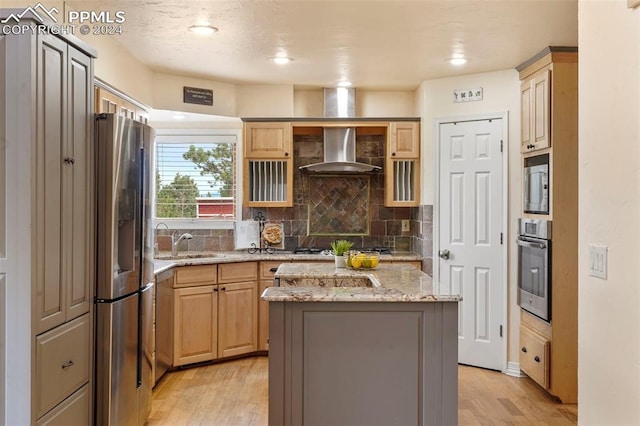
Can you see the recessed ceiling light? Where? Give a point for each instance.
(344, 84)
(457, 61)
(203, 29)
(281, 60)
(179, 116)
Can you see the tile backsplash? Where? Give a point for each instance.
(342, 205)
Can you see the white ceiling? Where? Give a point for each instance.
(375, 44)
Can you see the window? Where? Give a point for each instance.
(195, 176)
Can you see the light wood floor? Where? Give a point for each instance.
(234, 393)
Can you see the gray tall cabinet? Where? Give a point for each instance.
(47, 106)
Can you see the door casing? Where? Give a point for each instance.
(505, 206)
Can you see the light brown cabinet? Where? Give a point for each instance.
(106, 101)
(163, 326)
(535, 111)
(237, 318)
(550, 126)
(267, 272)
(237, 308)
(534, 355)
(268, 164)
(404, 139)
(268, 140)
(402, 165)
(195, 324)
(194, 314)
(215, 312)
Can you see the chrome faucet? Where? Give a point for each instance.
(174, 242)
(155, 245)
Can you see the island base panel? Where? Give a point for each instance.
(363, 363)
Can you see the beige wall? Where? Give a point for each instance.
(501, 92)
(264, 100)
(369, 103)
(117, 67)
(609, 212)
(168, 91)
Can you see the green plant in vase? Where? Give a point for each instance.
(340, 249)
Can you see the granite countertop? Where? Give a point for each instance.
(164, 261)
(323, 282)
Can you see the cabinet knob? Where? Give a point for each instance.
(393, 154)
(215, 289)
(67, 160)
(67, 364)
(536, 359)
(274, 270)
(524, 349)
(224, 289)
(286, 154)
(73, 161)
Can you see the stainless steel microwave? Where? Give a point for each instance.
(536, 184)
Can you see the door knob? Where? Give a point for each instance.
(444, 254)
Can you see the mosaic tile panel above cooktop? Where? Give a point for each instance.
(339, 205)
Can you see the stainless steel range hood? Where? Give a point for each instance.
(340, 142)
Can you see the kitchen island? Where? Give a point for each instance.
(366, 347)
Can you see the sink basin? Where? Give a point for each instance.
(186, 255)
(327, 282)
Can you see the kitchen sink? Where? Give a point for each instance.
(327, 282)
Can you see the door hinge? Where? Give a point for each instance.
(501, 142)
(501, 331)
(501, 235)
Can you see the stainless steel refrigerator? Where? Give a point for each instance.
(125, 278)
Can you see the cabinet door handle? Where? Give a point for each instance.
(536, 359)
(274, 270)
(224, 289)
(215, 289)
(72, 160)
(67, 364)
(524, 349)
(67, 160)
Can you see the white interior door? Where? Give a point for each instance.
(469, 241)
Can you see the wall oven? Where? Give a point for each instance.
(534, 267)
(536, 184)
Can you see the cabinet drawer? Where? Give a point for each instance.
(188, 276)
(234, 272)
(62, 362)
(265, 269)
(73, 411)
(534, 356)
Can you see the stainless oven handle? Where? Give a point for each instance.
(531, 245)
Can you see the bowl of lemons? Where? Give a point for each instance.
(357, 260)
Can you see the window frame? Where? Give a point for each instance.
(199, 136)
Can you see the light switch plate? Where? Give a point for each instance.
(406, 226)
(598, 261)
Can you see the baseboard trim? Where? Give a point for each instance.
(513, 370)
